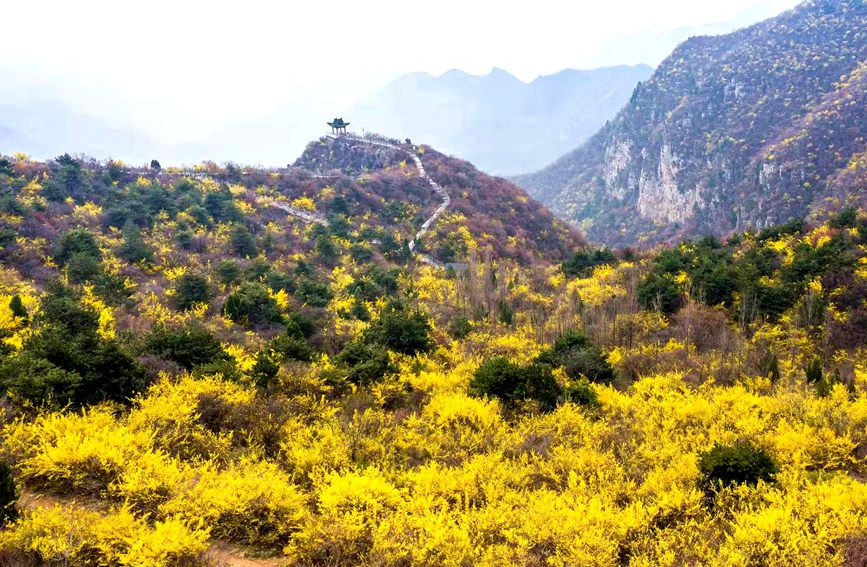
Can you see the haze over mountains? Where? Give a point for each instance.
(498, 122)
(731, 132)
(248, 104)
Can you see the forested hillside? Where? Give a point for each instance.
(732, 132)
(193, 373)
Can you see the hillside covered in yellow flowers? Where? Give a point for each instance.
(186, 369)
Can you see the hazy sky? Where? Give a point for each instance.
(173, 66)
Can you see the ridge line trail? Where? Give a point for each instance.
(421, 173)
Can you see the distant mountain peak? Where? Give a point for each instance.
(500, 123)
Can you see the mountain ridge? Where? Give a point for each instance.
(689, 154)
(498, 122)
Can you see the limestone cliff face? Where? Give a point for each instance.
(731, 132)
(659, 196)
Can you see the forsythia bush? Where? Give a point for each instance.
(456, 483)
(69, 536)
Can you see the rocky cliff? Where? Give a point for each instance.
(731, 132)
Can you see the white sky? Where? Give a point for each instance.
(175, 65)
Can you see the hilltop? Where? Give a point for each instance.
(487, 215)
(731, 132)
(500, 123)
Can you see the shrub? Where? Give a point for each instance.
(189, 347)
(133, 249)
(460, 327)
(251, 304)
(300, 325)
(292, 347)
(243, 243)
(659, 292)
(581, 393)
(266, 367)
(366, 364)
(228, 272)
(17, 307)
(401, 330)
(510, 383)
(191, 289)
(729, 465)
(37, 381)
(8, 494)
(814, 371)
(583, 262)
(220, 206)
(579, 357)
(7, 237)
(82, 267)
(76, 241)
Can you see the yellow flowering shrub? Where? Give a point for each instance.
(75, 536)
(81, 452)
(251, 500)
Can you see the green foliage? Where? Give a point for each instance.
(37, 381)
(581, 393)
(266, 368)
(7, 237)
(773, 369)
(67, 362)
(402, 330)
(847, 218)
(17, 307)
(366, 364)
(582, 263)
(228, 272)
(326, 249)
(300, 325)
(134, 249)
(76, 241)
(814, 371)
(314, 293)
(579, 357)
(291, 347)
(659, 292)
(361, 252)
(227, 368)
(251, 304)
(8, 495)
(511, 383)
(243, 242)
(6, 167)
(505, 313)
(221, 207)
(191, 289)
(82, 267)
(67, 179)
(460, 327)
(189, 346)
(729, 465)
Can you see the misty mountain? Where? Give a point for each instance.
(744, 130)
(498, 122)
(45, 128)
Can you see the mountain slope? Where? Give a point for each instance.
(487, 215)
(743, 130)
(496, 121)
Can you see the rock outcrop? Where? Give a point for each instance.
(731, 132)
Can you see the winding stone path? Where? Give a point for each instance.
(446, 200)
